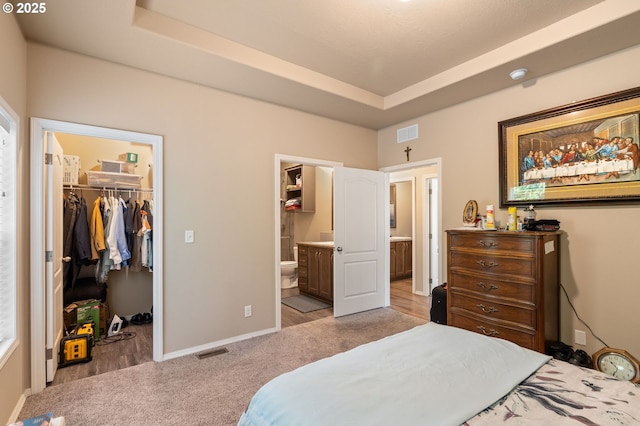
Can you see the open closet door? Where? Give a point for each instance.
(53, 251)
(361, 240)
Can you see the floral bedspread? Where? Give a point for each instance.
(560, 393)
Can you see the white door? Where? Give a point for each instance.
(361, 239)
(53, 249)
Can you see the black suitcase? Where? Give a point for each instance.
(439, 304)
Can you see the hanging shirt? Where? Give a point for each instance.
(145, 233)
(112, 244)
(121, 238)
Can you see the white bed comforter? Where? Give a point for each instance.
(429, 375)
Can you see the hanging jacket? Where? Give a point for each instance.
(105, 262)
(81, 235)
(96, 229)
(136, 260)
(71, 207)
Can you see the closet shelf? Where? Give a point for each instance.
(115, 188)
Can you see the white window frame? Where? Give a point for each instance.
(9, 125)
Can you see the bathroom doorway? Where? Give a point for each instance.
(427, 218)
(297, 224)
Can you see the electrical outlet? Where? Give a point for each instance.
(188, 237)
(247, 311)
(580, 337)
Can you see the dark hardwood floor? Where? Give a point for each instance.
(115, 353)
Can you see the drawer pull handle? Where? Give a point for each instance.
(489, 310)
(488, 243)
(490, 287)
(487, 265)
(484, 331)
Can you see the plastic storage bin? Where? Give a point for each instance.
(117, 180)
(113, 166)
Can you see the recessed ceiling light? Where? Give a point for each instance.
(518, 74)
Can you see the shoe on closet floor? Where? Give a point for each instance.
(137, 319)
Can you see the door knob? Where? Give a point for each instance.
(339, 249)
(66, 259)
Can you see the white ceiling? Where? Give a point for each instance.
(373, 63)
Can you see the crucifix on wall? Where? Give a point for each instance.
(407, 150)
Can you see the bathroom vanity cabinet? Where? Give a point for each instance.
(315, 270)
(400, 259)
(300, 182)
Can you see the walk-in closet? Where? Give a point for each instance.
(107, 233)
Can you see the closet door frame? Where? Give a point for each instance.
(37, 256)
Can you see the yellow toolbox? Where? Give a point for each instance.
(86, 328)
(76, 347)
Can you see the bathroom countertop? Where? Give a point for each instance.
(330, 243)
(318, 243)
(400, 238)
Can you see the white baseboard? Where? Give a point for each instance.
(19, 405)
(213, 345)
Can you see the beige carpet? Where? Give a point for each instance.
(210, 391)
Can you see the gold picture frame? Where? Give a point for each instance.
(470, 213)
(585, 152)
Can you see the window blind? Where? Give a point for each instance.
(8, 178)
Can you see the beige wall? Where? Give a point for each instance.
(404, 213)
(15, 374)
(218, 180)
(599, 248)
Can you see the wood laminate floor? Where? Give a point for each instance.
(132, 347)
(114, 353)
(402, 300)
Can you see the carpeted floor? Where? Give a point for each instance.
(210, 391)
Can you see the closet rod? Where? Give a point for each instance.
(113, 188)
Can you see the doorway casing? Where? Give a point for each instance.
(278, 159)
(38, 128)
(432, 213)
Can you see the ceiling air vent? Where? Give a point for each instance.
(408, 133)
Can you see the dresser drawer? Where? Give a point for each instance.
(493, 243)
(490, 287)
(494, 309)
(522, 266)
(520, 337)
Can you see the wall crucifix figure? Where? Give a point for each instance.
(407, 150)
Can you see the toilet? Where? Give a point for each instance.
(289, 271)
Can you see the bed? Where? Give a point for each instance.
(440, 375)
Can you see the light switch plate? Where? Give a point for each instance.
(188, 237)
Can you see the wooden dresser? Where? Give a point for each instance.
(505, 284)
